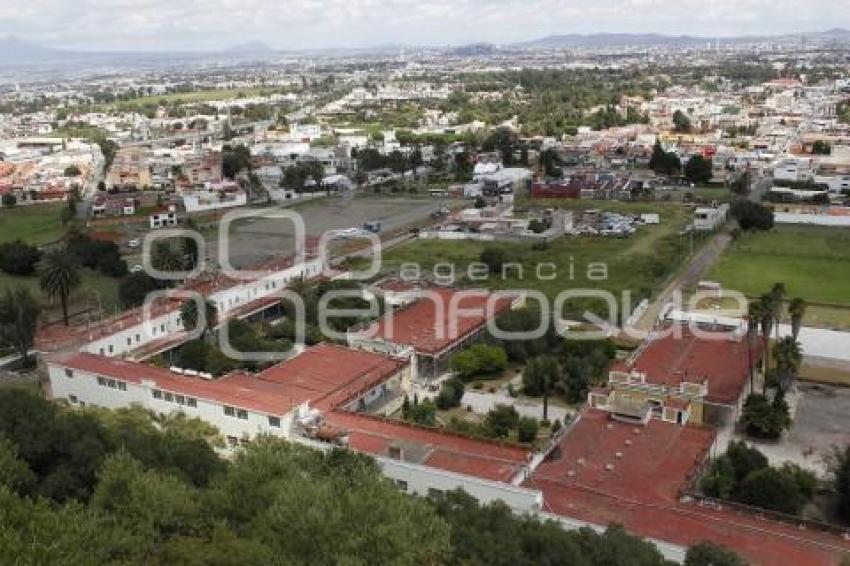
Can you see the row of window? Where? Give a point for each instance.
(233, 412)
(174, 398)
(112, 383)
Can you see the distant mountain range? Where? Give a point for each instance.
(575, 40)
(21, 52)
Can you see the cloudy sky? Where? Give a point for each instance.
(292, 24)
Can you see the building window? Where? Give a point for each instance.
(274, 421)
(402, 485)
(191, 401)
(168, 397)
(242, 414)
(122, 386)
(102, 352)
(111, 349)
(138, 338)
(179, 399)
(157, 394)
(69, 373)
(229, 411)
(72, 398)
(129, 341)
(112, 384)
(232, 441)
(101, 381)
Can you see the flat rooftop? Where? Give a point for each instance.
(437, 320)
(641, 492)
(670, 360)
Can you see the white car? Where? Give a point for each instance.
(134, 243)
(136, 268)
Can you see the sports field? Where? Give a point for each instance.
(812, 261)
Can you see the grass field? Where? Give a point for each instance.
(35, 224)
(94, 286)
(812, 261)
(195, 96)
(640, 264)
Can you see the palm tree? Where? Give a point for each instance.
(754, 312)
(59, 276)
(166, 258)
(777, 297)
(797, 309)
(788, 358)
(766, 310)
(189, 315)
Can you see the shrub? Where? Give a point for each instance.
(501, 420)
(18, 258)
(763, 419)
(479, 359)
(527, 428)
(451, 392)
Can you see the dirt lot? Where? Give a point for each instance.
(820, 422)
(254, 240)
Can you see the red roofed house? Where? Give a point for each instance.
(681, 377)
(434, 327)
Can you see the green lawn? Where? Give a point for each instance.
(813, 262)
(640, 264)
(94, 286)
(35, 224)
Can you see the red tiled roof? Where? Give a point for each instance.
(328, 375)
(443, 450)
(641, 492)
(426, 324)
(670, 360)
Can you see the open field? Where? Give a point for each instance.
(640, 264)
(94, 287)
(254, 240)
(813, 262)
(35, 224)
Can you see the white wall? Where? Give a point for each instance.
(85, 388)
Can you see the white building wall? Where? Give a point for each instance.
(83, 387)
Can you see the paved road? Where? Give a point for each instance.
(692, 274)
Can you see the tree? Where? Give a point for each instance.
(751, 215)
(501, 420)
(698, 169)
(189, 315)
(769, 488)
(839, 467)
(234, 160)
(766, 310)
(134, 288)
(709, 554)
(741, 185)
(754, 314)
(451, 393)
(797, 310)
(788, 357)
(763, 418)
(9, 200)
(479, 359)
(821, 147)
(494, 257)
(166, 258)
(539, 378)
(59, 276)
(663, 162)
(72, 171)
(19, 312)
(527, 428)
(681, 122)
(18, 258)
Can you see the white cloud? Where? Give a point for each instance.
(204, 24)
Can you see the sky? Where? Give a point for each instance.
(148, 25)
